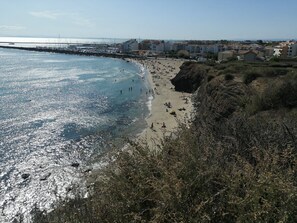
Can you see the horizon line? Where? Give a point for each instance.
(171, 39)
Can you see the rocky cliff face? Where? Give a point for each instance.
(215, 98)
(228, 108)
(190, 77)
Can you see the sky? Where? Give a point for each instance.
(150, 19)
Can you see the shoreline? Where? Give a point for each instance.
(158, 73)
(169, 108)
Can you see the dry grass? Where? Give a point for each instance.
(239, 169)
(281, 92)
(190, 181)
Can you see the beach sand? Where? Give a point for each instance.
(160, 71)
(169, 108)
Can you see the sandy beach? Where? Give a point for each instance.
(169, 108)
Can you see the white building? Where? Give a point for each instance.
(210, 48)
(277, 52)
(157, 46)
(168, 46)
(292, 50)
(130, 45)
(192, 48)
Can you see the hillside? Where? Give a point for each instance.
(236, 163)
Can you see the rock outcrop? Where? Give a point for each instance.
(25, 176)
(228, 108)
(219, 99)
(190, 77)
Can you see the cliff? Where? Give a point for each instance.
(246, 102)
(190, 77)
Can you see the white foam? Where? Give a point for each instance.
(149, 102)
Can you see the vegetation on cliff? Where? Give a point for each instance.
(237, 162)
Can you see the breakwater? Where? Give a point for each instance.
(73, 52)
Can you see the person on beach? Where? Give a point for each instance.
(152, 125)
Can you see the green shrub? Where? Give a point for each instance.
(280, 93)
(250, 76)
(273, 72)
(231, 59)
(183, 54)
(210, 63)
(281, 65)
(288, 92)
(221, 66)
(274, 59)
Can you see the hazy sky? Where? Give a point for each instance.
(159, 19)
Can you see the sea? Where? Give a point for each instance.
(59, 114)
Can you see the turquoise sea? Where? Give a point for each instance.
(57, 110)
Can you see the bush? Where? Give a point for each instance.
(274, 59)
(250, 76)
(280, 93)
(281, 65)
(210, 77)
(254, 73)
(183, 54)
(288, 92)
(221, 66)
(274, 72)
(234, 68)
(230, 59)
(229, 77)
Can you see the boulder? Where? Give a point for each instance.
(25, 175)
(190, 77)
(44, 177)
(75, 164)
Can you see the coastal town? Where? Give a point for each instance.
(209, 50)
(221, 50)
(198, 50)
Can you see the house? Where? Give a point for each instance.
(157, 46)
(286, 49)
(268, 51)
(225, 55)
(177, 46)
(249, 56)
(130, 45)
(192, 48)
(168, 46)
(213, 49)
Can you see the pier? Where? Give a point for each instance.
(73, 52)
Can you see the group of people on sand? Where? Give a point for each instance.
(163, 125)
